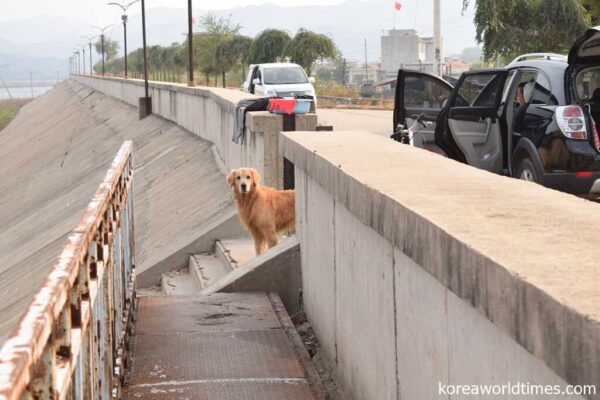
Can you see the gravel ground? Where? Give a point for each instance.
(321, 364)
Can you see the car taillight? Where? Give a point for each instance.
(584, 174)
(571, 122)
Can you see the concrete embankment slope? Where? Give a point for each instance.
(54, 155)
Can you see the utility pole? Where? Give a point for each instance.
(190, 46)
(437, 39)
(366, 64)
(6, 87)
(31, 83)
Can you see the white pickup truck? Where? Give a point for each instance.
(279, 80)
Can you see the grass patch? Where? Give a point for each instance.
(336, 90)
(9, 110)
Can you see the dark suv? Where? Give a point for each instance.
(536, 119)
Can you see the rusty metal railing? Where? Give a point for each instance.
(72, 340)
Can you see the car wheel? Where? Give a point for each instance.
(527, 172)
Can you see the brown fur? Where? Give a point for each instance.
(264, 211)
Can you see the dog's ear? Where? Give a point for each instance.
(255, 176)
(231, 177)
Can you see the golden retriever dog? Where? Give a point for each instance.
(264, 211)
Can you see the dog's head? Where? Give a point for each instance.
(243, 180)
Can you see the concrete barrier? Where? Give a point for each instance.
(419, 272)
(209, 113)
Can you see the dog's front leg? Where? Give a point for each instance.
(259, 242)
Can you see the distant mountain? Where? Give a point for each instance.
(14, 67)
(348, 23)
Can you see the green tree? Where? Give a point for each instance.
(217, 30)
(512, 27)
(308, 47)
(177, 59)
(232, 51)
(269, 46)
(593, 9)
(111, 48)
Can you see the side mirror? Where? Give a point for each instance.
(256, 81)
(311, 79)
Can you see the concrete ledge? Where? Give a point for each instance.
(276, 270)
(225, 97)
(521, 255)
(209, 113)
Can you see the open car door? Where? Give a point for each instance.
(473, 120)
(420, 93)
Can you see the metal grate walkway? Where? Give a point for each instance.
(238, 346)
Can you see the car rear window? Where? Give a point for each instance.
(587, 84)
(284, 75)
(424, 92)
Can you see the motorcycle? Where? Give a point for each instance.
(406, 135)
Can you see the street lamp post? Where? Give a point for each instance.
(145, 103)
(102, 29)
(77, 62)
(102, 39)
(190, 46)
(124, 19)
(91, 65)
(83, 58)
(89, 40)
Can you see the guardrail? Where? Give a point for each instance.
(72, 340)
(376, 103)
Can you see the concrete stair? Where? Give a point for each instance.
(234, 267)
(204, 269)
(235, 252)
(178, 282)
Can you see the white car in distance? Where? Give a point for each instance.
(279, 80)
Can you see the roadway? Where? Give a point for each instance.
(374, 121)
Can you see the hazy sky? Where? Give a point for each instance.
(97, 10)
(457, 29)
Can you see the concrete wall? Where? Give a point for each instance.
(209, 113)
(419, 271)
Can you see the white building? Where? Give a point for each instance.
(403, 48)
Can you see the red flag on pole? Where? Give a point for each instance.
(397, 5)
